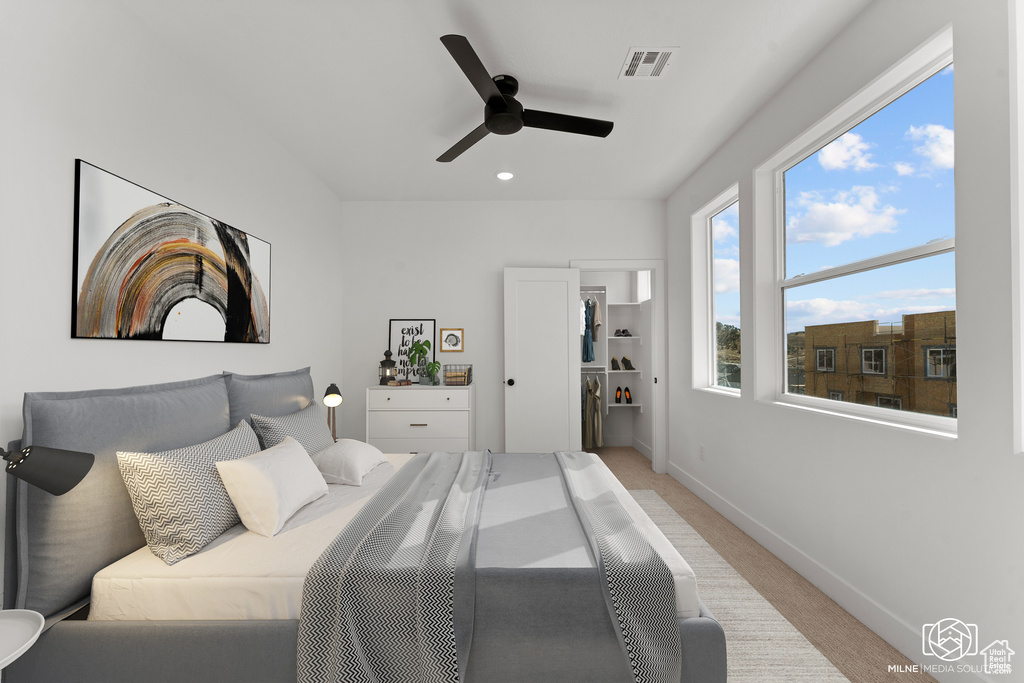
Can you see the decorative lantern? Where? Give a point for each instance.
(387, 369)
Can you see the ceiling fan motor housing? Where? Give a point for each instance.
(503, 118)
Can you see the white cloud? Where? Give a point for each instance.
(937, 144)
(727, 275)
(847, 151)
(850, 215)
(903, 168)
(918, 293)
(821, 311)
(721, 231)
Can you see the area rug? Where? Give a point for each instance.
(762, 646)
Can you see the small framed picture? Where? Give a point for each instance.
(451, 338)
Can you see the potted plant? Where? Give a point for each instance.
(418, 352)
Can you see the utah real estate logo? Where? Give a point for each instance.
(952, 640)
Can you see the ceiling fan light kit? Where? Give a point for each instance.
(503, 114)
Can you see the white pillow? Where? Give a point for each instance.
(347, 461)
(269, 487)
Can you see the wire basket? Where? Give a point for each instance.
(458, 375)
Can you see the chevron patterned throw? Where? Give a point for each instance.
(378, 604)
(641, 591)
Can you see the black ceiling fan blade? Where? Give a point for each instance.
(475, 136)
(565, 123)
(465, 56)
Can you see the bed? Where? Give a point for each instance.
(529, 614)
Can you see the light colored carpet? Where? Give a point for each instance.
(762, 646)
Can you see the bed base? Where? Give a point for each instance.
(241, 652)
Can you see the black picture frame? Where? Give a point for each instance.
(402, 332)
(147, 267)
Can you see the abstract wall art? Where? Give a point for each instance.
(146, 267)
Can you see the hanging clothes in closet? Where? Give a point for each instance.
(588, 335)
(593, 428)
(588, 420)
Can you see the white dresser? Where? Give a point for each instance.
(417, 418)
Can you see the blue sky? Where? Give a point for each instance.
(885, 185)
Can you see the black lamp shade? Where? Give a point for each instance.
(332, 397)
(53, 470)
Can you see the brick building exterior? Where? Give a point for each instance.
(905, 366)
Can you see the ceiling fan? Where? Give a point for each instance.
(503, 115)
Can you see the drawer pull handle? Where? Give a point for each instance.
(417, 424)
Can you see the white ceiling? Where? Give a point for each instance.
(364, 94)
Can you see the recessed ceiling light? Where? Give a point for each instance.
(505, 175)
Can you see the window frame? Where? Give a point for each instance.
(768, 203)
(834, 395)
(702, 273)
(817, 358)
(864, 362)
(943, 349)
(897, 402)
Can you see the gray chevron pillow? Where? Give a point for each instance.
(308, 426)
(178, 495)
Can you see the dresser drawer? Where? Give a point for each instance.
(420, 445)
(411, 398)
(416, 424)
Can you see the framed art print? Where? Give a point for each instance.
(146, 267)
(402, 332)
(451, 338)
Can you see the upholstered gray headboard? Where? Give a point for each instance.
(56, 543)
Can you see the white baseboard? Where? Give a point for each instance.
(644, 449)
(903, 636)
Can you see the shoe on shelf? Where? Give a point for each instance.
(629, 397)
(618, 333)
(625, 332)
(627, 364)
(615, 363)
(618, 394)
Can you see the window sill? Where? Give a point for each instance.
(932, 425)
(721, 391)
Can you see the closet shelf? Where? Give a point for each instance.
(627, 405)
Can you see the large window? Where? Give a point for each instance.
(725, 279)
(715, 265)
(866, 246)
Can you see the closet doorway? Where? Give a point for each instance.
(627, 352)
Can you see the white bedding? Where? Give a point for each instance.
(243, 575)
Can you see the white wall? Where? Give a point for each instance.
(899, 527)
(80, 82)
(445, 260)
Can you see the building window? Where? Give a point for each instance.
(940, 362)
(865, 244)
(894, 402)
(835, 395)
(872, 361)
(715, 243)
(825, 360)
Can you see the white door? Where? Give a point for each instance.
(542, 360)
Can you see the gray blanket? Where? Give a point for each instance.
(396, 595)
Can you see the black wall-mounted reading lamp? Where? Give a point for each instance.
(53, 470)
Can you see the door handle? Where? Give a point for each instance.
(417, 424)
(511, 382)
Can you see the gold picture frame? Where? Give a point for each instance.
(451, 339)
